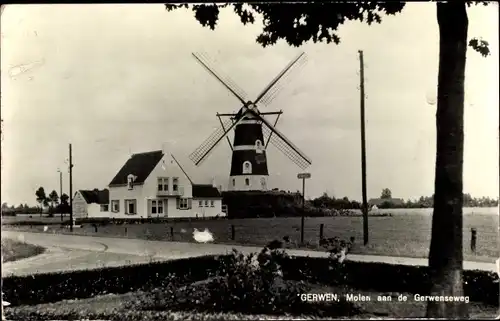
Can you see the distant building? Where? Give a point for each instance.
(91, 203)
(380, 201)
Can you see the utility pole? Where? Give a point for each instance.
(363, 146)
(70, 190)
(303, 177)
(60, 192)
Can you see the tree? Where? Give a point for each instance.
(54, 198)
(41, 198)
(64, 205)
(318, 21)
(386, 193)
(64, 198)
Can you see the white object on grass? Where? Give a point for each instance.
(203, 237)
(342, 255)
(5, 303)
(183, 230)
(45, 228)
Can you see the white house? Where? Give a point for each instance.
(94, 203)
(154, 184)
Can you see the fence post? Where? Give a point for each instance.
(473, 232)
(321, 226)
(126, 230)
(172, 232)
(232, 232)
(95, 228)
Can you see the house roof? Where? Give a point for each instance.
(95, 196)
(205, 190)
(140, 165)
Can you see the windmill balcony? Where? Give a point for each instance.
(178, 192)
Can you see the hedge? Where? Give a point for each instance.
(480, 286)
(53, 287)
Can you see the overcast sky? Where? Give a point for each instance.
(120, 79)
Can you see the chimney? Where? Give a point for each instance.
(213, 182)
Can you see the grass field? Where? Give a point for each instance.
(406, 233)
(14, 250)
(34, 218)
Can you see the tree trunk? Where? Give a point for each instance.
(446, 254)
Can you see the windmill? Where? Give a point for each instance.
(249, 170)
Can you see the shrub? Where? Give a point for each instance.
(53, 287)
(480, 286)
(245, 284)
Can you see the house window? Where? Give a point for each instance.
(175, 184)
(234, 182)
(130, 206)
(115, 206)
(212, 203)
(200, 203)
(247, 182)
(206, 203)
(104, 207)
(156, 206)
(183, 203)
(247, 167)
(258, 146)
(163, 184)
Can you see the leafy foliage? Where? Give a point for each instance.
(386, 193)
(41, 198)
(481, 46)
(247, 284)
(57, 286)
(480, 286)
(297, 23)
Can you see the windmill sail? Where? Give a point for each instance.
(225, 80)
(294, 150)
(275, 86)
(206, 147)
(288, 151)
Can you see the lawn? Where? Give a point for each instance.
(398, 235)
(14, 250)
(34, 218)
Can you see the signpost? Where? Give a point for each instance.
(303, 177)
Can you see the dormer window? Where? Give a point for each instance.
(130, 181)
(247, 167)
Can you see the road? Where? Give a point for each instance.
(75, 252)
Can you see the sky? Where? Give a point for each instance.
(117, 79)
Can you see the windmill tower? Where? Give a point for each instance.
(252, 133)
